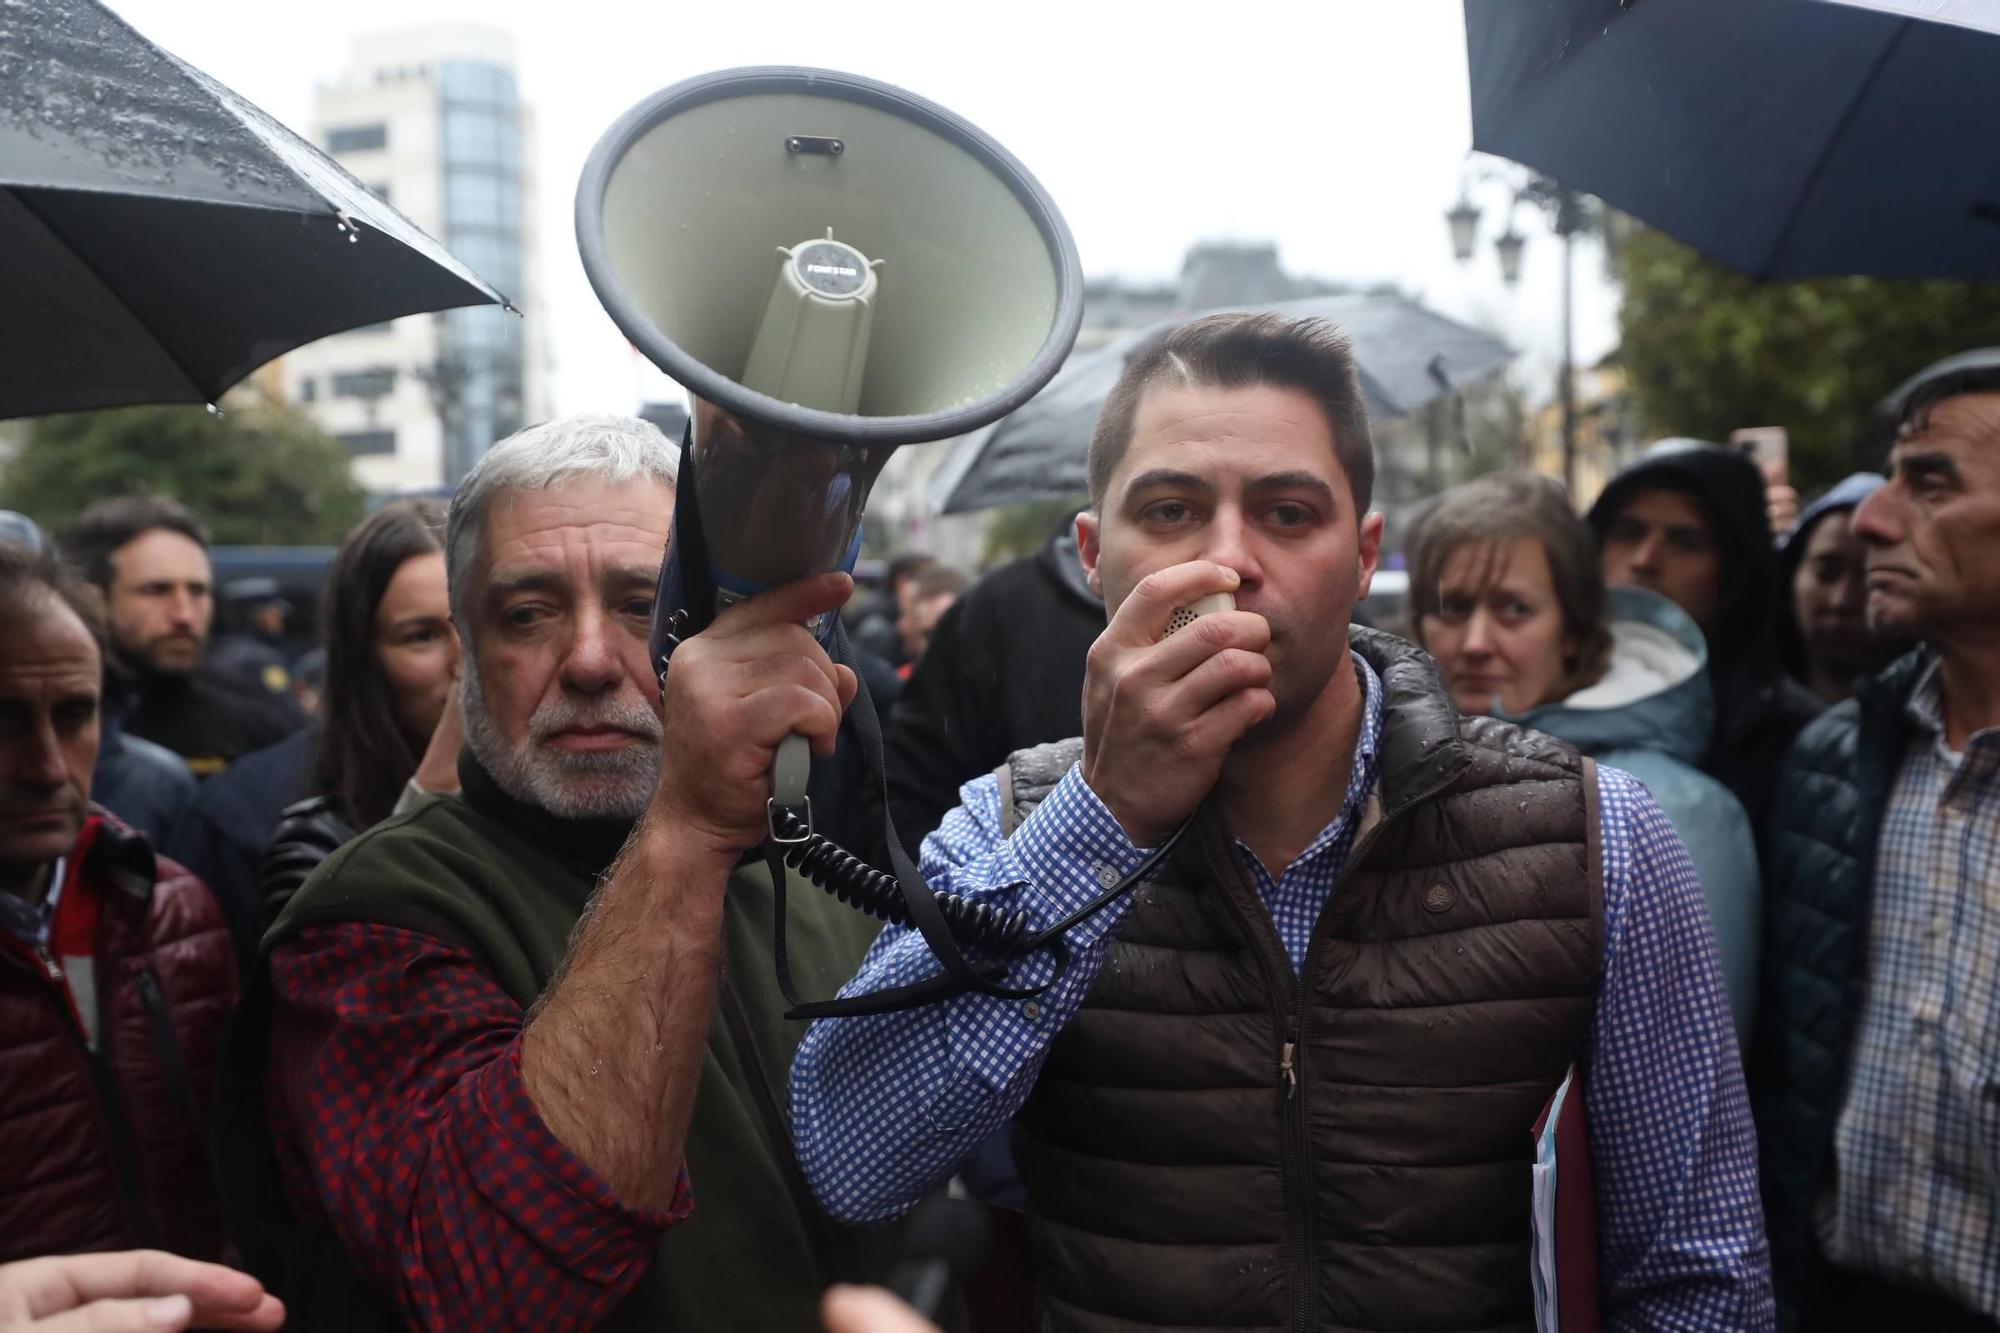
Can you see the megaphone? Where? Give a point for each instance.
(832, 267)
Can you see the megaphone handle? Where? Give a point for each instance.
(789, 770)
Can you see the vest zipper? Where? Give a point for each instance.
(1292, 1061)
(1298, 1172)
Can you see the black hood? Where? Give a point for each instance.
(1063, 565)
(1745, 641)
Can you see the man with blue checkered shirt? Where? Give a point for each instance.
(1878, 1055)
(1289, 1081)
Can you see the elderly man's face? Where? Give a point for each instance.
(561, 705)
(49, 680)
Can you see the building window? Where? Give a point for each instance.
(360, 442)
(357, 138)
(380, 191)
(386, 326)
(308, 389)
(375, 382)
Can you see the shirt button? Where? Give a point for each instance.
(1939, 925)
(1031, 1011)
(1108, 875)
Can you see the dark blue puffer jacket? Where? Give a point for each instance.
(1818, 893)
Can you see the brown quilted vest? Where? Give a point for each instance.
(1184, 1173)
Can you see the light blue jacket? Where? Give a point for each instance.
(1650, 715)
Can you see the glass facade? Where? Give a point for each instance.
(479, 377)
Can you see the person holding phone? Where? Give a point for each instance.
(1289, 1081)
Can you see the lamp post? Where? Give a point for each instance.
(1567, 217)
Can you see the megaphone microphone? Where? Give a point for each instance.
(832, 267)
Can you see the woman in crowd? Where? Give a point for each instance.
(1826, 641)
(1508, 596)
(391, 680)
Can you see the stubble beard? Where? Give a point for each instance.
(613, 784)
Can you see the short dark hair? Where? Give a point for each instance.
(364, 757)
(939, 580)
(31, 580)
(108, 525)
(1235, 351)
(1505, 507)
(1977, 371)
(907, 565)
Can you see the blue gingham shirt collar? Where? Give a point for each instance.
(1295, 897)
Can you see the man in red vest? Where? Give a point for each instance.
(116, 976)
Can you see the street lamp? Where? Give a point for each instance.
(1508, 245)
(1566, 216)
(1463, 219)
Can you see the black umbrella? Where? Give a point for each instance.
(160, 237)
(1786, 138)
(1406, 355)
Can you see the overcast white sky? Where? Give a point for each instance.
(1337, 128)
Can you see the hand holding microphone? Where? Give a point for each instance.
(731, 696)
(1161, 710)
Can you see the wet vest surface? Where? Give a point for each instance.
(1214, 1143)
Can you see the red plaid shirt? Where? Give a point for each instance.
(401, 1118)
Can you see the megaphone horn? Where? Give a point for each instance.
(831, 267)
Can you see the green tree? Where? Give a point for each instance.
(1020, 529)
(258, 475)
(1709, 350)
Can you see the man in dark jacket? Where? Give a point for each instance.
(1877, 1070)
(488, 1106)
(1688, 521)
(1004, 671)
(148, 555)
(115, 974)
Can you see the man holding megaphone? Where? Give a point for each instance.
(1290, 1082)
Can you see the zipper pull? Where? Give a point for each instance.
(50, 964)
(1285, 1068)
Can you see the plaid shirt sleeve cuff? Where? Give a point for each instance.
(1070, 849)
(1067, 852)
(550, 1193)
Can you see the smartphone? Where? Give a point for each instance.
(1184, 616)
(1769, 447)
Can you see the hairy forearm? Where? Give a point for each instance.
(612, 1055)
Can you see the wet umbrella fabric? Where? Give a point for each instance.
(1406, 355)
(160, 237)
(1786, 138)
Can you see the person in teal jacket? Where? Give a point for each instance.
(1508, 597)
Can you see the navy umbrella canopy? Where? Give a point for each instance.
(1786, 138)
(1405, 356)
(160, 237)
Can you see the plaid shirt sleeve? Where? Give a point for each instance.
(885, 1107)
(1680, 1222)
(401, 1119)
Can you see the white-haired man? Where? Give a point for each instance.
(483, 1025)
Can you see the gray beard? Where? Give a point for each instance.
(617, 784)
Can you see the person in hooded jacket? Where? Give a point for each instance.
(1827, 643)
(1687, 520)
(1507, 596)
(1003, 671)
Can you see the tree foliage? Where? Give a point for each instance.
(259, 475)
(1709, 351)
(1020, 529)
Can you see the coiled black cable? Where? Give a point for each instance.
(861, 886)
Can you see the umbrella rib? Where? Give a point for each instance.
(28, 207)
(1839, 132)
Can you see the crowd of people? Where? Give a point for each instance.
(446, 994)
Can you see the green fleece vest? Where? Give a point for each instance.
(508, 882)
